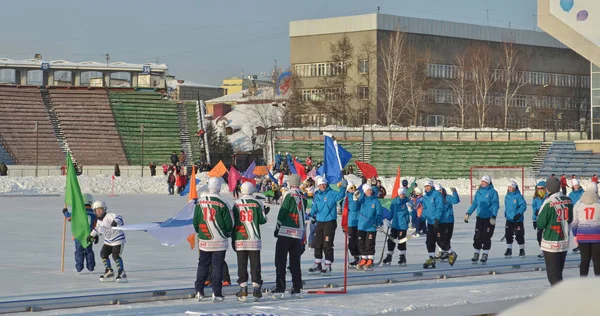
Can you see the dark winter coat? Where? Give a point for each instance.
(3, 169)
(117, 171)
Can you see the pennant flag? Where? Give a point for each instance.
(251, 180)
(291, 165)
(219, 170)
(172, 231)
(335, 159)
(367, 170)
(396, 185)
(300, 170)
(312, 173)
(260, 171)
(281, 179)
(232, 179)
(345, 215)
(192, 185)
(73, 197)
(186, 189)
(250, 171)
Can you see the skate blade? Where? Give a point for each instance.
(256, 299)
(278, 296)
(107, 280)
(325, 273)
(507, 257)
(217, 300)
(297, 296)
(122, 280)
(522, 257)
(369, 269)
(314, 273)
(483, 263)
(385, 264)
(402, 265)
(242, 299)
(474, 262)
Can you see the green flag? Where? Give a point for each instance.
(80, 227)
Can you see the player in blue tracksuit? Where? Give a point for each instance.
(514, 209)
(417, 212)
(539, 197)
(400, 219)
(370, 217)
(446, 226)
(486, 203)
(84, 254)
(324, 212)
(433, 208)
(351, 201)
(575, 195)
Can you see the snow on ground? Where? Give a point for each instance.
(34, 227)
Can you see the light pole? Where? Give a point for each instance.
(142, 130)
(37, 148)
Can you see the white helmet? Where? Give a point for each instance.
(99, 204)
(88, 199)
(418, 191)
(247, 188)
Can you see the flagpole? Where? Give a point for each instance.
(64, 236)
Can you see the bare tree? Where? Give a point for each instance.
(482, 71)
(392, 74)
(415, 84)
(295, 105)
(512, 76)
(367, 61)
(336, 82)
(462, 87)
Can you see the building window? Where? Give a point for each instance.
(435, 120)
(363, 93)
(363, 66)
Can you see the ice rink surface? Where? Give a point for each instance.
(31, 247)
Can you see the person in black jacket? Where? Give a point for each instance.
(171, 183)
(117, 171)
(174, 158)
(152, 169)
(3, 169)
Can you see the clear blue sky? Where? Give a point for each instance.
(206, 41)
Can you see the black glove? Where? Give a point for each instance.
(267, 210)
(313, 220)
(517, 217)
(96, 240)
(436, 224)
(89, 239)
(536, 212)
(276, 233)
(534, 225)
(113, 224)
(65, 210)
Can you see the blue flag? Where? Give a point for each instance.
(290, 162)
(272, 177)
(249, 172)
(335, 158)
(186, 190)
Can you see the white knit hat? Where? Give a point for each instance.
(214, 185)
(437, 186)
(247, 188)
(513, 183)
(401, 191)
(428, 183)
(575, 182)
(321, 180)
(487, 179)
(366, 186)
(350, 184)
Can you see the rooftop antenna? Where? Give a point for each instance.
(378, 9)
(107, 58)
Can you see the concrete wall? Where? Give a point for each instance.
(43, 171)
(593, 145)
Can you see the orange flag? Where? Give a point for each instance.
(219, 170)
(396, 185)
(193, 194)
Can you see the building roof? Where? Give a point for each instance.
(385, 22)
(86, 65)
(265, 94)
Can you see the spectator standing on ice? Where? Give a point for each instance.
(538, 199)
(514, 209)
(554, 219)
(114, 240)
(171, 182)
(586, 229)
(84, 254)
(399, 219)
(3, 169)
(575, 195)
(213, 222)
(324, 213)
(487, 205)
(446, 227)
(433, 207)
(563, 184)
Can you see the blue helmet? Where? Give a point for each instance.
(541, 184)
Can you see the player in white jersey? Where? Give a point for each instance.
(114, 241)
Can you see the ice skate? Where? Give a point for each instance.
(242, 294)
(387, 261)
(217, 299)
(354, 263)
(429, 263)
(257, 294)
(522, 253)
(361, 264)
(484, 258)
(452, 258)
(277, 293)
(475, 258)
(368, 265)
(326, 271)
(122, 277)
(415, 234)
(508, 253)
(540, 257)
(297, 293)
(443, 257)
(576, 250)
(108, 276)
(199, 296)
(402, 261)
(316, 269)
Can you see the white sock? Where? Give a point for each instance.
(450, 250)
(485, 252)
(432, 254)
(364, 257)
(509, 246)
(317, 261)
(370, 257)
(327, 262)
(244, 284)
(477, 251)
(403, 252)
(390, 252)
(255, 285)
(522, 246)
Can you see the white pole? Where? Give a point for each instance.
(202, 113)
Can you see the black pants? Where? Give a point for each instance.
(171, 189)
(206, 259)
(589, 251)
(540, 233)
(432, 237)
(399, 234)
(366, 242)
(483, 234)
(516, 230)
(564, 190)
(226, 276)
(242, 259)
(353, 241)
(444, 235)
(115, 251)
(293, 247)
(323, 243)
(555, 264)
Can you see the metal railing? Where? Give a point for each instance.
(8, 151)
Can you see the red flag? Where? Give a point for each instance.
(396, 185)
(367, 170)
(232, 178)
(244, 179)
(281, 179)
(300, 169)
(345, 215)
